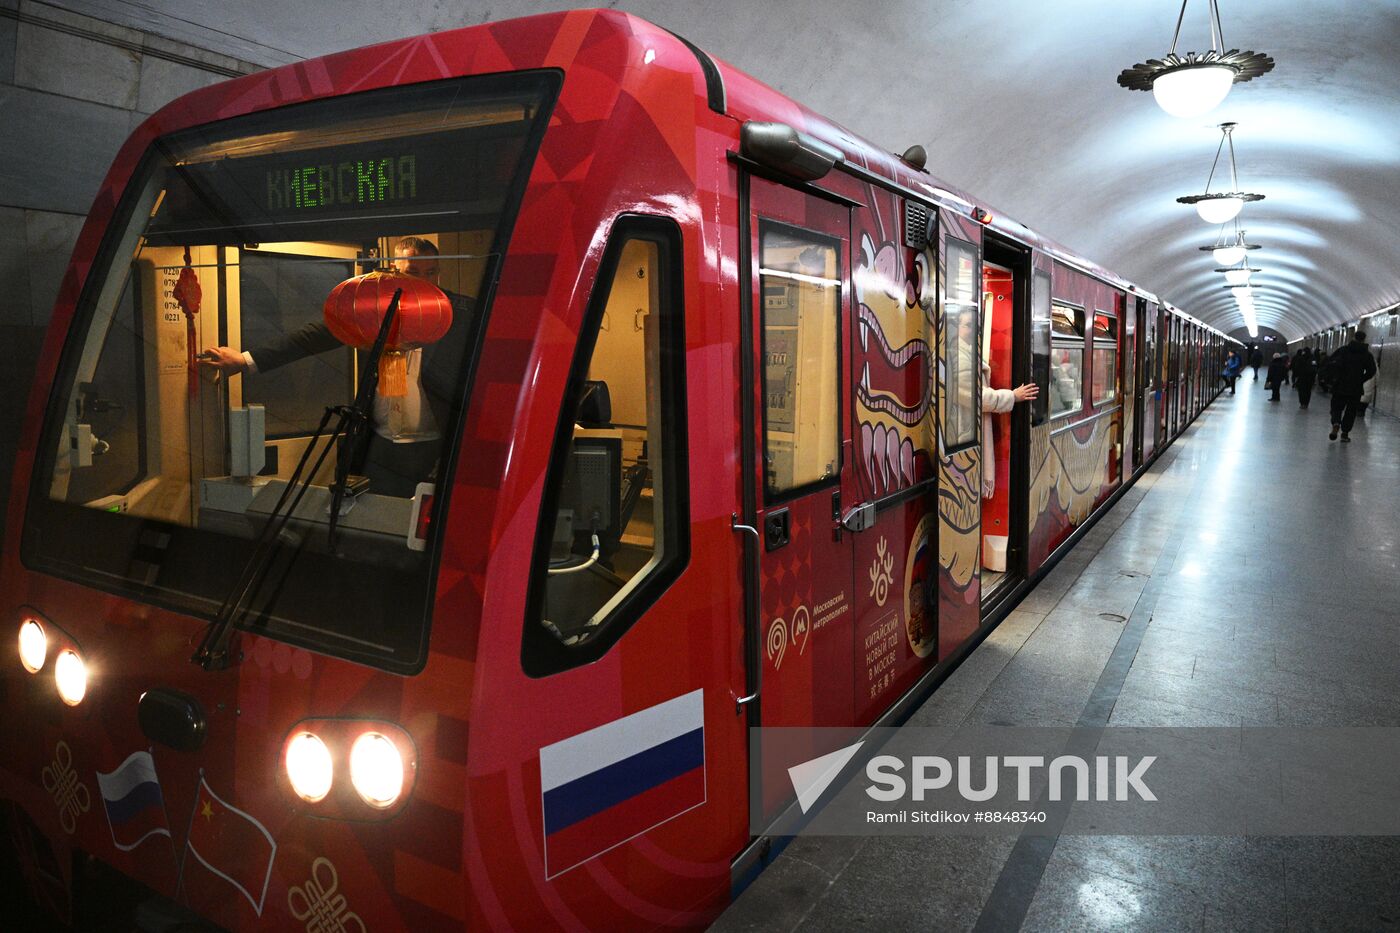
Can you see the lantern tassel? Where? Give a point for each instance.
(393, 374)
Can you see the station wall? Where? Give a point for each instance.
(72, 87)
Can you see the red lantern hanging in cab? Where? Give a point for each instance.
(355, 310)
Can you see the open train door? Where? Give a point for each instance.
(798, 472)
(1006, 319)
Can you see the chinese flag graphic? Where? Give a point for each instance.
(232, 845)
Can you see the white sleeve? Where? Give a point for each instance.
(998, 400)
(250, 366)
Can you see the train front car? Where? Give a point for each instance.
(254, 685)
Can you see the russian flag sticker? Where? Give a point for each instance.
(613, 783)
(133, 801)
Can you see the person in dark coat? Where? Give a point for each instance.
(405, 438)
(1278, 372)
(1256, 359)
(1322, 364)
(1304, 374)
(1348, 370)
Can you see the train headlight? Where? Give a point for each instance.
(70, 675)
(33, 646)
(376, 770)
(309, 767)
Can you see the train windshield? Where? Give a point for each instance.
(236, 300)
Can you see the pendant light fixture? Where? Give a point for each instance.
(1194, 83)
(1237, 275)
(1232, 251)
(1222, 206)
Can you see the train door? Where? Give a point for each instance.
(1174, 375)
(797, 350)
(1132, 393)
(1106, 375)
(1188, 371)
(1183, 386)
(1141, 375)
(1198, 365)
(1194, 369)
(1005, 324)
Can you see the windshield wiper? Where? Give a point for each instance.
(352, 419)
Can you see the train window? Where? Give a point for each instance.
(960, 340)
(280, 294)
(1149, 350)
(1040, 345)
(111, 406)
(1104, 368)
(173, 429)
(800, 280)
(613, 531)
(1066, 360)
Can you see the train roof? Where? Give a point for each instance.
(489, 48)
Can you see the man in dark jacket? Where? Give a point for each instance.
(1304, 373)
(405, 438)
(1256, 359)
(1347, 370)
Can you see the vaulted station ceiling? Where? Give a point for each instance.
(1017, 103)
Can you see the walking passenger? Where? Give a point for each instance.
(1348, 370)
(1304, 374)
(1278, 372)
(1231, 372)
(1256, 359)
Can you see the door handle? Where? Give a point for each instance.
(860, 517)
(744, 529)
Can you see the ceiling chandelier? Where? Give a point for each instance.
(1238, 275)
(1222, 206)
(1229, 253)
(1193, 83)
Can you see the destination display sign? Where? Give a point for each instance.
(372, 181)
(249, 199)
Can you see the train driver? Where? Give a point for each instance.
(405, 439)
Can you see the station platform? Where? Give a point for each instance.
(1248, 579)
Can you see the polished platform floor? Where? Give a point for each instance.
(1256, 573)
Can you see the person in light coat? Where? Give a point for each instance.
(1368, 395)
(997, 401)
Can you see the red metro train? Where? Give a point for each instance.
(702, 449)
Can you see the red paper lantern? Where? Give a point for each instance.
(355, 311)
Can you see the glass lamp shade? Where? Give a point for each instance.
(1190, 92)
(1228, 255)
(1237, 277)
(1219, 210)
